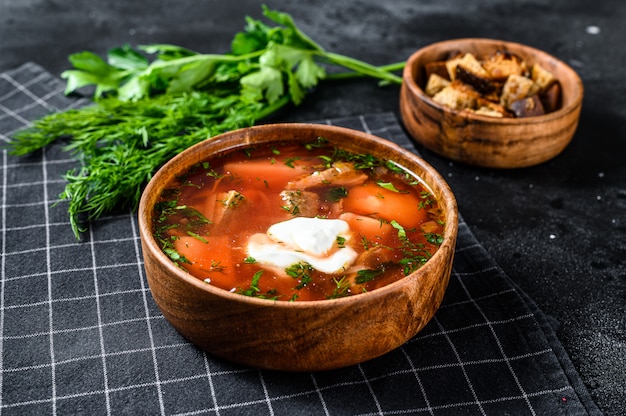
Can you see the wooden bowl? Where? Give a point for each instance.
(483, 140)
(306, 335)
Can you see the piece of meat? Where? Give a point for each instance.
(300, 203)
(339, 174)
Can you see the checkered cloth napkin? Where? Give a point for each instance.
(81, 334)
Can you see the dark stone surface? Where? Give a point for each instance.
(558, 229)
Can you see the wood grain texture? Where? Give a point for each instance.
(298, 336)
(482, 140)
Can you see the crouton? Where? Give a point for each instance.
(469, 62)
(486, 111)
(542, 78)
(435, 84)
(487, 107)
(515, 88)
(501, 65)
(480, 83)
(457, 95)
(500, 85)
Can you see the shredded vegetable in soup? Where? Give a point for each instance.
(298, 222)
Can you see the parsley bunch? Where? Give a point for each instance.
(145, 112)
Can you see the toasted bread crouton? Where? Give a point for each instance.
(487, 107)
(451, 66)
(528, 107)
(515, 88)
(502, 64)
(542, 79)
(435, 84)
(480, 83)
(486, 111)
(457, 95)
(501, 84)
(469, 62)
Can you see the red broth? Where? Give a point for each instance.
(211, 219)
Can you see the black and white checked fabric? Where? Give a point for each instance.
(80, 333)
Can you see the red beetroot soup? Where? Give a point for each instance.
(298, 222)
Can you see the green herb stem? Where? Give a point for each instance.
(362, 67)
(354, 74)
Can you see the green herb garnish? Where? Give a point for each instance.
(147, 111)
(342, 288)
(335, 194)
(367, 275)
(390, 187)
(254, 290)
(300, 271)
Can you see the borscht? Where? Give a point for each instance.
(298, 222)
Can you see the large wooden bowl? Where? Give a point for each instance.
(483, 140)
(307, 335)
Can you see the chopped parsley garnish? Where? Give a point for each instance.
(255, 291)
(367, 275)
(300, 271)
(335, 194)
(390, 187)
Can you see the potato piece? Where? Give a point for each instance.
(435, 84)
(515, 88)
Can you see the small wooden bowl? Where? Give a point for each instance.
(307, 335)
(483, 140)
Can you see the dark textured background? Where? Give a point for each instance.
(558, 229)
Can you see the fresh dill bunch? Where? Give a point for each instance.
(120, 144)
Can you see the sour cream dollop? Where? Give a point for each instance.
(320, 242)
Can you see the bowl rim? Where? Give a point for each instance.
(162, 175)
(412, 85)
